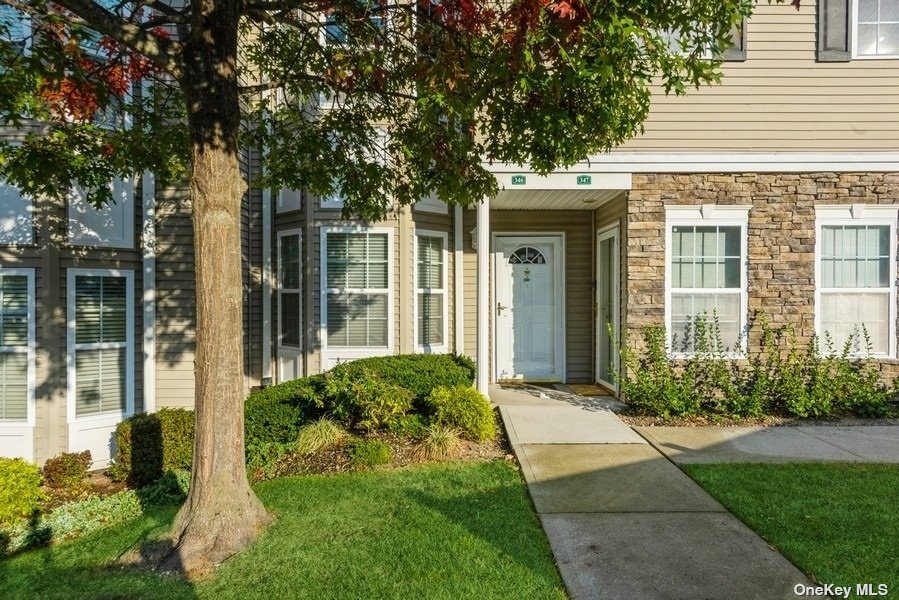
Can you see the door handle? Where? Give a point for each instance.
(500, 308)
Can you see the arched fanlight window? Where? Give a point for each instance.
(527, 255)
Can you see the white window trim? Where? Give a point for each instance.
(71, 345)
(127, 241)
(858, 214)
(854, 37)
(702, 216)
(297, 290)
(341, 353)
(419, 346)
(30, 350)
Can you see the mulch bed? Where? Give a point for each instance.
(405, 452)
(98, 484)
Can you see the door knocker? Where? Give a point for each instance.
(527, 274)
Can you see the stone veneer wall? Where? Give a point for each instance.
(781, 244)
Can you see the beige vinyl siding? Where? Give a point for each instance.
(780, 99)
(251, 252)
(175, 298)
(577, 225)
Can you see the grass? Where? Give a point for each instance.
(836, 522)
(454, 530)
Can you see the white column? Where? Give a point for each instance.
(148, 239)
(483, 253)
(458, 281)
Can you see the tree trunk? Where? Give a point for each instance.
(221, 515)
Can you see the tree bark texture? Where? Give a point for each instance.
(222, 514)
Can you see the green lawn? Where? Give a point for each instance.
(836, 522)
(454, 530)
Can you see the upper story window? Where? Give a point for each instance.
(15, 27)
(706, 276)
(16, 222)
(16, 345)
(856, 270)
(877, 28)
(356, 287)
(111, 226)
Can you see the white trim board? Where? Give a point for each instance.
(724, 162)
(149, 291)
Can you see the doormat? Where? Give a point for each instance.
(588, 389)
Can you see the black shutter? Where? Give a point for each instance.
(737, 52)
(834, 31)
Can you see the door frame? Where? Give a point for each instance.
(612, 231)
(560, 242)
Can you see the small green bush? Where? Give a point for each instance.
(782, 377)
(276, 413)
(438, 442)
(20, 490)
(466, 409)
(418, 373)
(149, 444)
(367, 454)
(319, 435)
(93, 513)
(362, 399)
(67, 472)
(408, 426)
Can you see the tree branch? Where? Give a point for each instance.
(164, 52)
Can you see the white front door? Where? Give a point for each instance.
(529, 307)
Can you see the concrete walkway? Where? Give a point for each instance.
(866, 443)
(622, 520)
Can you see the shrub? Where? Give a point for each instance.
(438, 441)
(368, 454)
(409, 426)
(20, 490)
(149, 444)
(782, 378)
(361, 398)
(276, 413)
(465, 409)
(67, 472)
(263, 458)
(95, 512)
(319, 435)
(418, 373)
